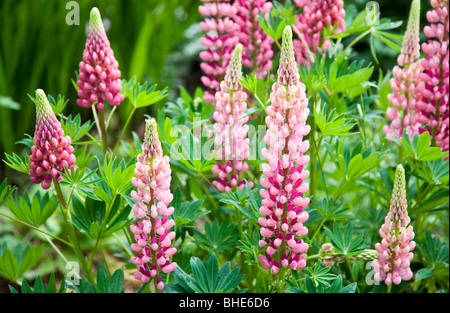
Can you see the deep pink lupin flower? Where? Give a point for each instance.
(219, 40)
(316, 15)
(152, 231)
(434, 107)
(52, 150)
(284, 174)
(406, 83)
(257, 53)
(230, 128)
(394, 251)
(99, 78)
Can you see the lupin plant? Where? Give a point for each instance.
(231, 129)
(52, 152)
(325, 174)
(395, 250)
(283, 183)
(152, 231)
(406, 83)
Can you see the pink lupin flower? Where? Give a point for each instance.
(406, 83)
(230, 128)
(257, 53)
(434, 106)
(394, 251)
(152, 230)
(219, 41)
(283, 182)
(99, 78)
(316, 15)
(52, 150)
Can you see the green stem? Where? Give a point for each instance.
(318, 228)
(71, 230)
(123, 130)
(351, 273)
(356, 40)
(388, 288)
(103, 130)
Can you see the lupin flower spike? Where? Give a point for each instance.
(52, 150)
(316, 15)
(434, 107)
(219, 45)
(283, 182)
(257, 53)
(152, 230)
(230, 128)
(406, 84)
(395, 249)
(99, 78)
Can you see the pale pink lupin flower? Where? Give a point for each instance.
(434, 107)
(406, 83)
(99, 78)
(231, 129)
(219, 40)
(52, 150)
(283, 182)
(152, 230)
(257, 53)
(316, 15)
(394, 251)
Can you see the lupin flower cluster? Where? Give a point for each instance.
(284, 174)
(99, 78)
(434, 107)
(52, 151)
(152, 231)
(406, 83)
(309, 25)
(219, 41)
(257, 54)
(230, 128)
(395, 249)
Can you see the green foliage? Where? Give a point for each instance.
(217, 238)
(209, 279)
(282, 16)
(15, 162)
(35, 210)
(72, 127)
(5, 191)
(344, 243)
(104, 284)
(250, 247)
(16, 262)
(332, 124)
(186, 212)
(39, 287)
(336, 287)
(142, 95)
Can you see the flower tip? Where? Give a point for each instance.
(95, 19)
(287, 33)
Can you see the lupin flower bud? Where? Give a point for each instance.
(284, 174)
(406, 84)
(230, 128)
(52, 150)
(316, 15)
(257, 53)
(395, 249)
(99, 78)
(152, 229)
(219, 41)
(434, 106)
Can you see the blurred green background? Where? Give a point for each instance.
(154, 40)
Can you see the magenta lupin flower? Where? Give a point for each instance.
(231, 129)
(316, 15)
(434, 107)
(284, 174)
(394, 251)
(99, 78)
(52, 151)
(219, 40)
(152, 231)
(257, 53)
(406, 83)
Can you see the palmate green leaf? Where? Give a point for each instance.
(35, 210)
(58, 104)
(187, 211)
(72, 127)
(14, 263)
(209, 279)
(142, 95)
(332, 124)
(5, 191)
(104, 284)
(39, 287)
(320, 275)
(15, 162)
(250, 248)
(329, 211)
(344, 243)
(217, 237)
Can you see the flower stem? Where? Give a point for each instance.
(351, 273)
(123, 130)
(103, 129)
